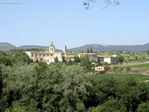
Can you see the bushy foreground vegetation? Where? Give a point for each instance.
(59, 87)
(9, 58)
(38, 87)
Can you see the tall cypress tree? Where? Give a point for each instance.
(88, 50)
(91, 50)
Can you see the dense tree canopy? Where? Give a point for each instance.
(110, 106)
(39, 87)
(62, 87)
(143, 107)
(85, 62)
(11, 57)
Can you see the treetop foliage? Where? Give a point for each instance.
(90, 3)
(62, 87)
(44, 87)
(12, 57)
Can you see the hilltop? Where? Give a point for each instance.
(4, 46)
(96, 47)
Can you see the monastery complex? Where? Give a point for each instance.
(53, 55)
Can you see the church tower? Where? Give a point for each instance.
(65, 49)
(52, 48)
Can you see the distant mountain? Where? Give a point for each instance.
(33, 47)
(98, 47)
(4, 46)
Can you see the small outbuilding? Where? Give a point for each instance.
(100, 68)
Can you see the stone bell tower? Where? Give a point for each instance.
(52, 48)
(65, 49)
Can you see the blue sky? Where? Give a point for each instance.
(67, 22)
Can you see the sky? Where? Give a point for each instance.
(67, 22)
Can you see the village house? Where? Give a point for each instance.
(101, 68)
(93, 57)
(108, 59)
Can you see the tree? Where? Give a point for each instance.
(85, 62)
(91, 50)
(143, 107)
(88, 51)
(73, 88)
(42, 87)
(143, 92)
(63, 59)
(19, 80)
(11, 57)
(6, 61)
(121, 59)
(15, 109)
(110, 106)
(147, 52)
(2, 53)
(1, 82)
(76, 59)
(41, 68)
(128, 93)
(106, 89)
(105, 64)
(90, 3)
(22, 57)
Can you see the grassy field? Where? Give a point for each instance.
(130, 68)
(120, 77)
(133, 65)
(140, 65)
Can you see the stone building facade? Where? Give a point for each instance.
(108, 59)
(50, 56)
(93, 57)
